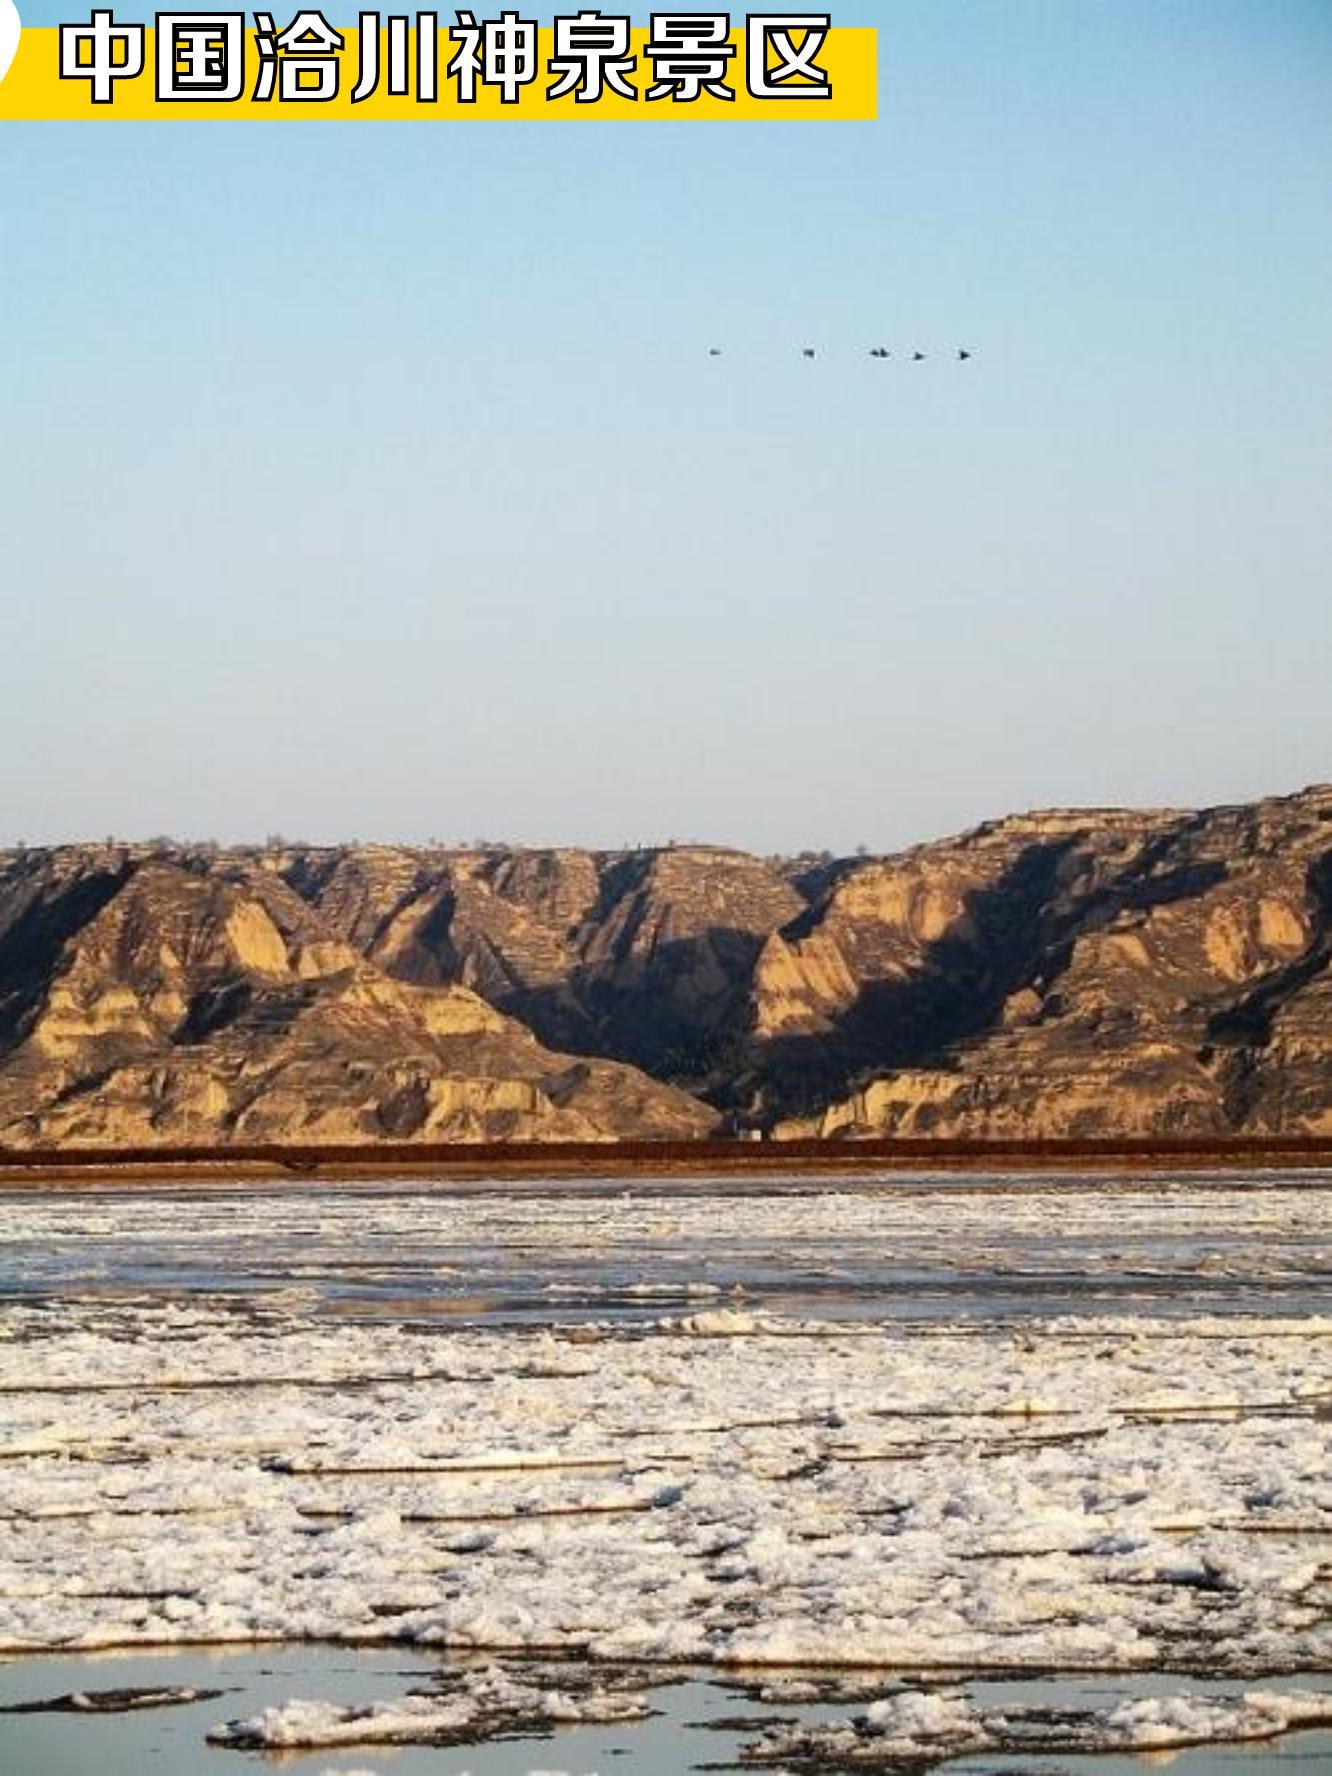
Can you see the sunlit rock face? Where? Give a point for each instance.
(161, 995)
(1162, 974)
(642, 955)
(1065, 973)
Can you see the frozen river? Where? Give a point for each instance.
(807, 1476)
(905, 1246)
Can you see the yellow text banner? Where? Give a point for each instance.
(34, 90)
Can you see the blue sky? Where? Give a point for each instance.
(374, 480)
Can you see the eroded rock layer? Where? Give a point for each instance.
(1069, 973)
(181, 998)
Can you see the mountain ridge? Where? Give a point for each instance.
(1074, 973)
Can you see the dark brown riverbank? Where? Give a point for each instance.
(501, 1160)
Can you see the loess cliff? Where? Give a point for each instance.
(1073, 973)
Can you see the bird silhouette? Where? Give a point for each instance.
(964, 354)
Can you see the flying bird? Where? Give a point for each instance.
(880, 351)
(918, 357)
(714, 351)
(962, 356)
(807, 351)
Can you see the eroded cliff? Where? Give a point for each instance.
(1088, 973)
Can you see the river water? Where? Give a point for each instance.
(912, 1246)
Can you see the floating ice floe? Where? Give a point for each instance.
(1114, 1492)
(121, 1701)
(484, 1703)
(867, 1499)
(720, 1322)
(918, 1729)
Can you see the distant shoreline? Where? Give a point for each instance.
(41, 1168)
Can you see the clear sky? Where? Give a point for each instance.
(374, 480)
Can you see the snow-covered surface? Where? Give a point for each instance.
(1110, 1493)
(908, 1727)
(205, 1437)
(920, 1729)
(484, 1702)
